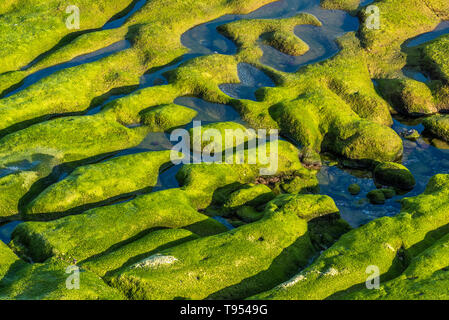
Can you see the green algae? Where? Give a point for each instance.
(262, 253)
(47, 281)
(219, 136)
(132, 252)
(98, 182)
(278, 33)
(354, 189)
(72, 138)
(66, 92)
(8, 259)
(438, 125)
(433, 57)
(43, 26)
(426, 278)
(249, 214)
(376, 196)
(95, 231)
(250, 195)
(395, 175)
(24, 174)
(200, 181)
(387, 243)
(409, 97)
(167, 117)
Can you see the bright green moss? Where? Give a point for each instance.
(262, 253)
(227, 132)
(66, 91)
(249, 214)
(347, 5)
(7, 260)
(98, 182)
(386, 243)
(425, 278)
(314, 115)
(134, 251)
(395, 175)
(278, 33)
(396, 26)
(22, 174)
(286, 42)
(250, 195)
(409, 97)
(72, 138)
(43, 26)
(48, 282)
(95, 231)
(433, 56)
(167, 117)
(200, 181)
(438, 125)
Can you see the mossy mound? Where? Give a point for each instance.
(249, 195)
(219, 136)
(262, 254)
(201, 181)
(47, 281)
(376, 197)
(354, 189)
(8, 259)
(278, 33)
(95, 231)
(94, 183)
(395, 175)
(387, 243)
(18, 179)
(132, 252)
(43, 25)
(438, 125)
(249, 214)
(167, 117)
(426, 278)
(409, 97)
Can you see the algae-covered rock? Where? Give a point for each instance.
(7, 260)
(408, 96)
(411, 134)
(219, 136)
(167, 117)
(249, 214)
(249, 195)
(94, 183)
(17, 179)
(438, 125)
(286, 42)
(426, 278)
(387, 243)
(82, 236)
(52, 280)
(132, 252)
(261, 254)
(376, 196)
(200, 181)
(354, 189)
(395, 175)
